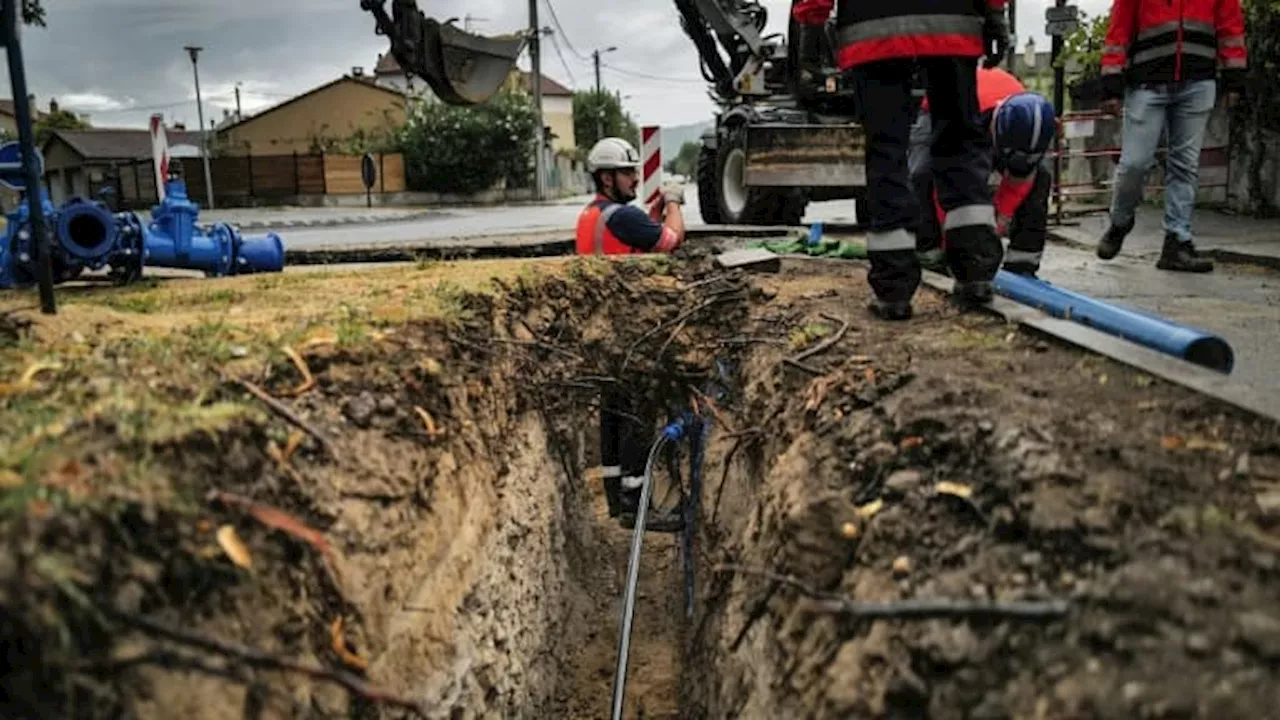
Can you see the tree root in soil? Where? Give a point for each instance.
(914, 609)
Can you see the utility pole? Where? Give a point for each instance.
(535, 62)
(194, 52)
(238, 115)
(595, 55)
(31, 165)
(1059, 73)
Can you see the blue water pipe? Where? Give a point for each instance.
(89, 236)
(173, 239)
(1191, 344)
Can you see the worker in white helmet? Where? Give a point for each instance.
(609, 225)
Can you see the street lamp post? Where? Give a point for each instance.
(599, 97)
(194, 52)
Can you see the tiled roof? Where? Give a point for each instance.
(549, 86)
(119, 143)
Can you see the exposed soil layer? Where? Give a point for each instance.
(178, 549)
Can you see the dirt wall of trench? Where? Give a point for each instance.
(959, 459)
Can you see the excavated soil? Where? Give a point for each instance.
(425, 535)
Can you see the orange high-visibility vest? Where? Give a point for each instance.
(594, 236)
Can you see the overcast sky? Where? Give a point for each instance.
(122, 60)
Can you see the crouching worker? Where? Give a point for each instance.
(611, 226)
(1022, 126)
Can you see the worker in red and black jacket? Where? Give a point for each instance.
(882, 42)
(1163, 58)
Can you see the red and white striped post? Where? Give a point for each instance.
(651, 169)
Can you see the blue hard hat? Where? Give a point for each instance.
(1024, 126)
(1025, 123)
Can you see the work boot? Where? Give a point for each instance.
(1024, 269)
(890, 309)
(972, 294)
(1112, 239)
(655, 520)
(1181, 256)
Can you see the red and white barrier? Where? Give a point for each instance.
(651, 169)
(159, 154)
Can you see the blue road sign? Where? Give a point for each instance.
(11, 174)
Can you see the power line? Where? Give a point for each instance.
(556, 21)
(647, 76)
(556, 44)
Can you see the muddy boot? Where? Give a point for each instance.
(890, 310)
(655, 520)
(1180, 256)
(970, 295)
(1112, 239)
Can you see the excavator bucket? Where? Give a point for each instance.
(465, 69)
(461, 68)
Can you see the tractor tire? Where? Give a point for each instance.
(742, 205)
(708, 189)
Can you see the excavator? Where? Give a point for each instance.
(786, 132)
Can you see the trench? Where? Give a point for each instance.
(954, 458)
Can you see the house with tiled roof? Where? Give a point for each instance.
(303, 124)
(81, 162)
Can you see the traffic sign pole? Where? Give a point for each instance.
(22, 118)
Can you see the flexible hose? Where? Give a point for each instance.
(671, 432)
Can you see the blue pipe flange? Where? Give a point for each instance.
(86, 230)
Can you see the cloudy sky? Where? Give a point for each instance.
(122, 60)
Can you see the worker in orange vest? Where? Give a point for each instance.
(608, 225)
(1021, 125)
(611, 226)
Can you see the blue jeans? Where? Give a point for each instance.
(1183, 110)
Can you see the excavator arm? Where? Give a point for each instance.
(466, 69)
(461, 68)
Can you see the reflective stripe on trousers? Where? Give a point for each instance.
(969, 215)
(1022, 257)
(900, 239)
(601, 223)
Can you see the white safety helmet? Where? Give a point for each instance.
(612, 153)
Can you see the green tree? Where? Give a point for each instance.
(57, 120)
(686, 160)
(469, 149)
(590, 107)
(1084, 46)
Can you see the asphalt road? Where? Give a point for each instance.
(472, 222)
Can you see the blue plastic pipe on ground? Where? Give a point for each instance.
(1190, 344)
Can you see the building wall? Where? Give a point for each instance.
(557, 113)
(334, 113)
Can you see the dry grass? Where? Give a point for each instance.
(144, 364)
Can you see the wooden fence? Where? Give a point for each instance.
(263, 179)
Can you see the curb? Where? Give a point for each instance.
(330, 222)
(1218, 254)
